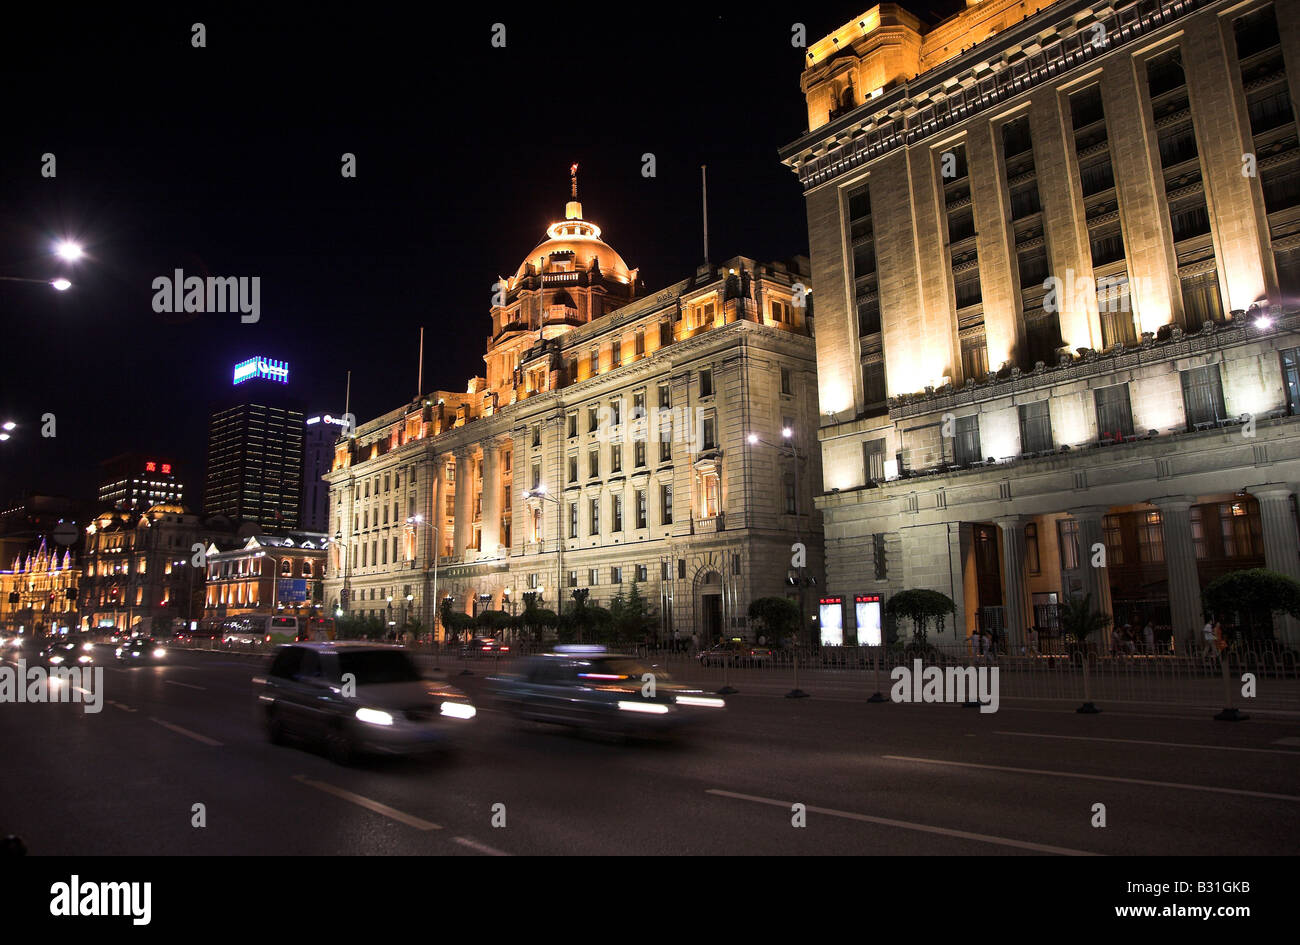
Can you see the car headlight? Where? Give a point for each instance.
(118, 651)
(458, 710)
(83, 659)
(374, 716)
(87, 647)
(706, 701)
(654, 708)
(56, 659)
(159, 652)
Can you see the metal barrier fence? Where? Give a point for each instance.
(1196, 678)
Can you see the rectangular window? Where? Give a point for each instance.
(974, 358)
(966, 441)
(788, 484)
(873, 387)
(873, 460)
(665, 505)
(615, 575)
(573, 579)
(537, 434)
(878, 556)
(639, 452)
(593, 419)
(786, 381)
(1113, 534)
(573, 468)
(1032, 562)
(665, 396)
(640, 508)
(616, 412)
(616, 353)
(1114, 412)
(681, 569)
(1151, 538)
(595, 361)
(594, 512)
(706, 383)
(535, 477)
(616, 458)
(640, 342)
(710, 433)
(642, 572)
(593, 463)
(1035, 427)
(1202, 396)
(1067, 533)
(573, 425)
(617, 508)
(573, 519)
(665, 450)
(593, 576)
(1291, 379)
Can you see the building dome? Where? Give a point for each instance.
(576, 239)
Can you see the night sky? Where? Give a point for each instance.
(225, 161)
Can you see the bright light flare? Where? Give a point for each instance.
(63, 285)
(69, 251)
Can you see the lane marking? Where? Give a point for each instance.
(122, 706)
(390, 812)
(1097, 777)
(908, 825)
(1287, 741)
(186, 732)
(1143, 741)
(172, 682)
(480, 847)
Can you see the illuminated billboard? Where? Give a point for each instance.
(265, 368)
(866, 609)
(831, 618)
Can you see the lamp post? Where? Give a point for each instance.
(415, 521)
(541, 493)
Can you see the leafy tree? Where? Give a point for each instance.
(776, 617)
(921, 606)
(631, 616)
(1254, 595)
(535, 621)
(493, 622)
(1079, 620)
(587, 623)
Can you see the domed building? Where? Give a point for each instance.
(606, 445)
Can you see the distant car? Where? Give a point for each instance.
(141, 650)
(483, 646)
(358, 698)
(588, 687)
(737, 653)
(66, 651)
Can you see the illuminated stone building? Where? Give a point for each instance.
(38, 593)
(1057, 256)
(268, 574)
(631, 413)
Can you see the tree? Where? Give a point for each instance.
(493, 622)
(1254, 596)
(630, 616)
(535, 621)
(921, 605)
(1079, 620)
(777, 617)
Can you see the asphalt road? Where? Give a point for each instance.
(875, 779)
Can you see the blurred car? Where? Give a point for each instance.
(737, 653)
(182, 637)
(12, 642)
(72, 650)
(358, 698)
(590, 688)
(141, 650)
(483, 646)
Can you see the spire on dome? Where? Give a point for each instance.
(573, 209)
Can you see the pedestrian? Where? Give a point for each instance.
(1126, 640)
(986, 643)
(1207, 638)
(1148, 638)
(1220, 644)
(1033, 641)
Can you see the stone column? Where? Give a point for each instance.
(491, 496)
(1096, 581)
(1015, 593)
(1185, 608)
(464, 495)
(1280, 546)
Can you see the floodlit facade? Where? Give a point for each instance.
(38, 594)
(627, 417)
(1057, 256)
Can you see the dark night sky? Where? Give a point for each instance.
(225, 161)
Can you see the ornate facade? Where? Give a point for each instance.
(627, 417)
(1057, 252)
(39, 591)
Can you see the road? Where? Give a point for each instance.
(875, 779)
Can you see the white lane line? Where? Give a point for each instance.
(186, 732)
(172, 682)
(908, 825)
(1287, 741)
(390, 812)
(480, 847)
(1097, 777)
(1142, 741)
(120, 705)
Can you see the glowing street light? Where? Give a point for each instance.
(69, 251)
(63, 285)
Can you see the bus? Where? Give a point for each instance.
(260, 628)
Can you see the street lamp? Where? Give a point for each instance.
(68, 251)
(541, 493)
(416, 521)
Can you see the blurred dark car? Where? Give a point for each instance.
(483, 646)
(737, 652)
(71, 650)
(140, 650)
(589, 688)
(358, 698)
